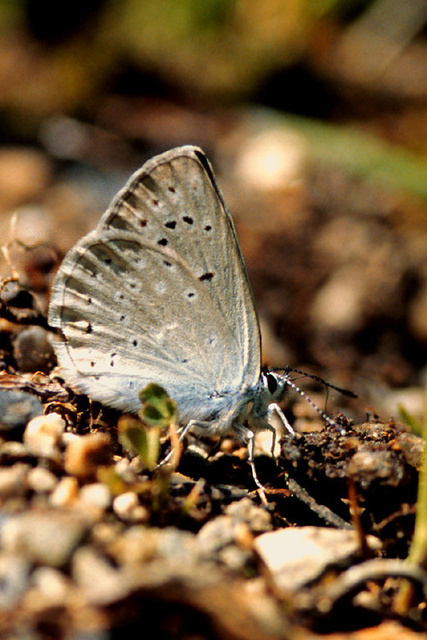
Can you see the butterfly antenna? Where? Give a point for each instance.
(344, 392)
(312, 404)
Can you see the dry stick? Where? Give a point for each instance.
(355, 512)
(321, 510)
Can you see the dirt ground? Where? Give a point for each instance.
(96, 542)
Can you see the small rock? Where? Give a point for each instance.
(298, 555)
(106, 533)
(45, 537)
(33, 351)
(12, 452)
(17, 408)
(235, 558)
(127, 507)
(14, 573)
(257, 518)
(178, 546)
(43, 434)
(138, 544)
(369, 465)
(99, 580)
(13, 480)
(125, 470)
(412, 447)
(52, 584)
(85, 455)
(96, 494)
(41, 480)
(216, 535)
(66, 493)
(229, 530)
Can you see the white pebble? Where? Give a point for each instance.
(41, 480)
(127, 507)
(53, 585)
(65, 493)
(43, 434)
(96, 494)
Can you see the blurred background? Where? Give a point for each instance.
(314, 115)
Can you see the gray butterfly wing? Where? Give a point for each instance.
(159, 293)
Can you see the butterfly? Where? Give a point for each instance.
(159, 292)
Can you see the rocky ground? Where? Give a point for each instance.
(93, 545)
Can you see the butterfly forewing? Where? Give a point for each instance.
(159, 293)
(173, 200)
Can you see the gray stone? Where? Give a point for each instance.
(33, 351)
(17, 408)
(299, 555)
(46, 537)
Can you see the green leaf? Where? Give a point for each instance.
(139, 439)
(410, 421)
(157, 408)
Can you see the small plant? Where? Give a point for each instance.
(142, 435)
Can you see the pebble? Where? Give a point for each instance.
(412, 447)
(216, 535)
(126, 506)
(13, 480)
(125, 469)
(13, 451)
(66, 493)
(96, 494)
(33, 351)
(84, 455)
(46, 537)
(369, 466)
(41, 480)
(257, 518)
(52, 584)
(225, 530)
(137, 544)
(99, 580)
(299, 555)
(235, 558)
(17, 408)
(14, 573)
(106, 533)
(43, 434)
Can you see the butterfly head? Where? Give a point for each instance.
(273, 385)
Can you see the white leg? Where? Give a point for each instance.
(251, 450)
(182, 433)
(275, 407)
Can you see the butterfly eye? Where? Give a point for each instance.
(271, 383)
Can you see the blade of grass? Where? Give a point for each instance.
(354, 151)
(418, 551)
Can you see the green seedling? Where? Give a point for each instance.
(141, 436)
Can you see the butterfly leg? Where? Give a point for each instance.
(182, 433)
(275, 408)
(251, 451)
